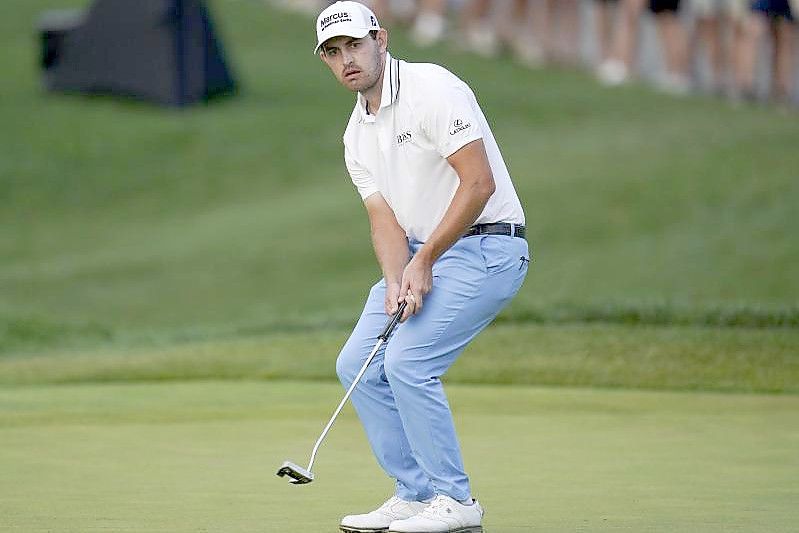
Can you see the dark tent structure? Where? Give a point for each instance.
(163, 51)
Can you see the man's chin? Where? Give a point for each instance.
(357, 85)
(354, 86)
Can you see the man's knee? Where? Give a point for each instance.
(346, 367)
(400, 369)
(350, 363)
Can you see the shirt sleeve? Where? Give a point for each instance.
(359, 175)
(451, 121)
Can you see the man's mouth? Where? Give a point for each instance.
(351, 73)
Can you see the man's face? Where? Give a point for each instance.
(356, 63)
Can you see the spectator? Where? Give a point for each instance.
(517, 33)
(618, 67)
(488, 26)
(674, 43)
(396, 11)
(479, 28)
(730, 32)
(401, 11)
(558, 28)
(605, 12)
(723, 48)
(430, 24)
(773, 19)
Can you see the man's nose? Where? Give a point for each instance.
(346, 57)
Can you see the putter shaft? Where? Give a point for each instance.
(305, 475)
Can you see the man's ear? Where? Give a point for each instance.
(382, 39)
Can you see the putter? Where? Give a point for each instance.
(299, 475)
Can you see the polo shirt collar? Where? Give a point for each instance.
(390, 90)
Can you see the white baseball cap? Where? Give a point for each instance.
(352, 19)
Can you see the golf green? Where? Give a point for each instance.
(201, 456)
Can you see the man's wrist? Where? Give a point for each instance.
(425, 256)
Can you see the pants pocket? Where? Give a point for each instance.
(496, 252)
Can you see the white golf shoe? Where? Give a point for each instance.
(378, 520)
(443, 515)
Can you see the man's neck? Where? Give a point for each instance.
(374, 94)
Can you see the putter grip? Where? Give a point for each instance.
(392, 323)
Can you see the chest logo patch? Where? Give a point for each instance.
(458, 126)
(404, 137)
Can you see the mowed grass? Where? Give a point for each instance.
(202, 457)
(121, 222)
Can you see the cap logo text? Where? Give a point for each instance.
(334, 18)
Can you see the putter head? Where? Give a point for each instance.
(298, 474)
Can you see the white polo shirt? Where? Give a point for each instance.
(426, 114)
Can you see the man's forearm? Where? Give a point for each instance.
(467, 204)
(391, 249)
(475, 188)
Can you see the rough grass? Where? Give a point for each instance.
(665, 358)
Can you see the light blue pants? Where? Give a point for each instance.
(400, 399)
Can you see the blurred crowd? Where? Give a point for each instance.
(737, 49)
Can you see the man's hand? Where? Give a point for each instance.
(417, 281)
(392, 298)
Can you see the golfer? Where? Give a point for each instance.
(448, 231)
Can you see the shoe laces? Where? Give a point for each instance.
(389, 503)
(437, 507)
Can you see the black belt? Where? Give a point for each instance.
(498, 228)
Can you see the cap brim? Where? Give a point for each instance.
(355, 34)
